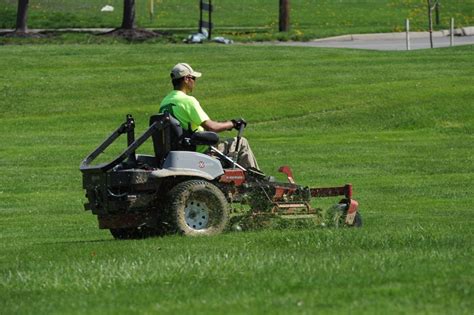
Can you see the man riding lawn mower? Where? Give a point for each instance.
(188, 185)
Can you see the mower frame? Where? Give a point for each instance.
(132, 194)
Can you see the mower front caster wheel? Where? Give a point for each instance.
(198, 207)
(336, 217)
(357, 220)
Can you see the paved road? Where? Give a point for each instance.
(388, 41)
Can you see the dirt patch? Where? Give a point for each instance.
(16, 34)
(136, 34)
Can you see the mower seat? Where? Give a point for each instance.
(174, 138)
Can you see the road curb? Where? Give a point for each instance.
(464, 31)
(380, 36)
(468, 31)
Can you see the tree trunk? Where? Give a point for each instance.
(128, 21)
(284, 25)
(437, 12)
(22, 16)
(430, 22)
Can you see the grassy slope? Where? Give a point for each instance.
(398, 125)
(309, 18)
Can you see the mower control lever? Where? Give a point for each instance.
(241, 124)
(237, 123)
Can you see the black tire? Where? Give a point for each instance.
(125, 234)
(336, 217)
(134, 233)
(197, 207)
(357, 220)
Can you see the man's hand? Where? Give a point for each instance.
(237, 123)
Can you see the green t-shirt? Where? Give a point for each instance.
(187, 110)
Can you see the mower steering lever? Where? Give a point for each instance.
(239, 136)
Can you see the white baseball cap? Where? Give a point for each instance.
(182, 70)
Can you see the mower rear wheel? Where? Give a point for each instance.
(125, 234)
(198, 207)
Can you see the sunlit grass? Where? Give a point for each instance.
(398, 126)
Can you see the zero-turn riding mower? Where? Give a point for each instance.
(178, 190)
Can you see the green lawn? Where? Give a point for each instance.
(398, 125)
(248, 19)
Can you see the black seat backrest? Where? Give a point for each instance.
(163, 136)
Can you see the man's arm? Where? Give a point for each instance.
(217, 126)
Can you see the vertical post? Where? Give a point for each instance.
(210, 19)
(451, 32)
(407, 27)
(284, 21)
(152, 9)
(200, 16)
(205, 6)
(130, 125)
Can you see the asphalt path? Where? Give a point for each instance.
(385, 41)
